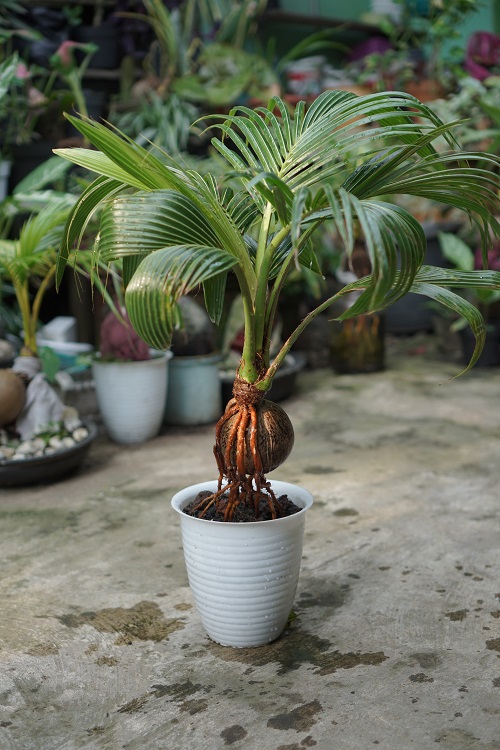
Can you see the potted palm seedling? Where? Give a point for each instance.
(177, 231)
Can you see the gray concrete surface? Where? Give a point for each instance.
(396, 643)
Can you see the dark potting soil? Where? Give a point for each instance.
(243, 513)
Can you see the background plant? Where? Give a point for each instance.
(28, 264)
(24, 97)
(430, 36)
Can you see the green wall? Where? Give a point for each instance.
(351, 10)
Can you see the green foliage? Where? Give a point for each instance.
(164, 122)
(24, 96)
(430, 31)
(28, 263)
(205, 50)
(176, 229)
(50, 363)
(475, 107)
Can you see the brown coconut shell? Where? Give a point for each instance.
(12, 396)
(275, 437)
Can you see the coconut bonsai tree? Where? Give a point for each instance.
(176, 230)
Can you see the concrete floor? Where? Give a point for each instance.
(396, 643)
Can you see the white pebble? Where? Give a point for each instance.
(72, 424)
(38, 444)
(80, 434)
(25, 448)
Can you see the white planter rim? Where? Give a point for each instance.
(155, 357)
(186, 495)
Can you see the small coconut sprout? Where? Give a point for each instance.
(12, 396)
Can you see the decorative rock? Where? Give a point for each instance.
(25, 448)
(50, 438)
(80, 434)
(39, 444)
(72, 424)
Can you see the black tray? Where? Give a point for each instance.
(50, 468)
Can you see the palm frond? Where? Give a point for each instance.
(160, 279)
(462, 308)
(141, 223)
(79, 217)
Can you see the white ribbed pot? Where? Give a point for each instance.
(243, 575)
(131, 397)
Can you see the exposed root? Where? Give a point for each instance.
(235, 485)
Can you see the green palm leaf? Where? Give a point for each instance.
(140, 223)
(461, 307)
(141, 167)
(160, 279)
(80, 216)
(335, 161)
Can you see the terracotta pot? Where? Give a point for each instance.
(427, 90)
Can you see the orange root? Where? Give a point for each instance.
(235, 486)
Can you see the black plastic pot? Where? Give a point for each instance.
(96, 102)
(47, 468)
(414, 312)
(27, 157)
(490, 356)
(107, 57)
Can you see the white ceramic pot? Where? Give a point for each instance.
(243, 575)
(131, 397)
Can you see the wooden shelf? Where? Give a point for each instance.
(102, 74)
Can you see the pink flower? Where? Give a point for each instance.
(22, 72)
(64, 58)
(64, 55)
(493, 258)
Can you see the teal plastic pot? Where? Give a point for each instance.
(194, 392)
